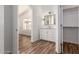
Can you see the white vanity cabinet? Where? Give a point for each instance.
(48, 27)
(48, 34)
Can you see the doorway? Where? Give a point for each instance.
(25, 26)
(31, 36)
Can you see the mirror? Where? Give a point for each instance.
(49, 19)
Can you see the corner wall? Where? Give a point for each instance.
(35, 23)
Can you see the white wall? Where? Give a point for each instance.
(70, 17)
(46, 8)
(8, 27)
(35, 23)
(70, 34)
(1, 29)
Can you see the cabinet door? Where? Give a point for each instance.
(44, 34)
(48, 34)
(52, 35)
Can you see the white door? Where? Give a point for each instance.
(1, 29)
(15, 30)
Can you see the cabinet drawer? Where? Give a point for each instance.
(48, 34)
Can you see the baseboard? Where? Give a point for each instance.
(48, 40)
(32, 41)
(25, 35)
(7, 52)
(44, 40)
(70, 43)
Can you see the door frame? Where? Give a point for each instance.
(59, 30)
(15, 30)
(61, 27)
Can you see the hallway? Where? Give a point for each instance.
(38, 47)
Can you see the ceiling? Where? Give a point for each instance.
(23, 8)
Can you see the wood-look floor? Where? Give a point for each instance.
(70, 48)
(38, 47)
